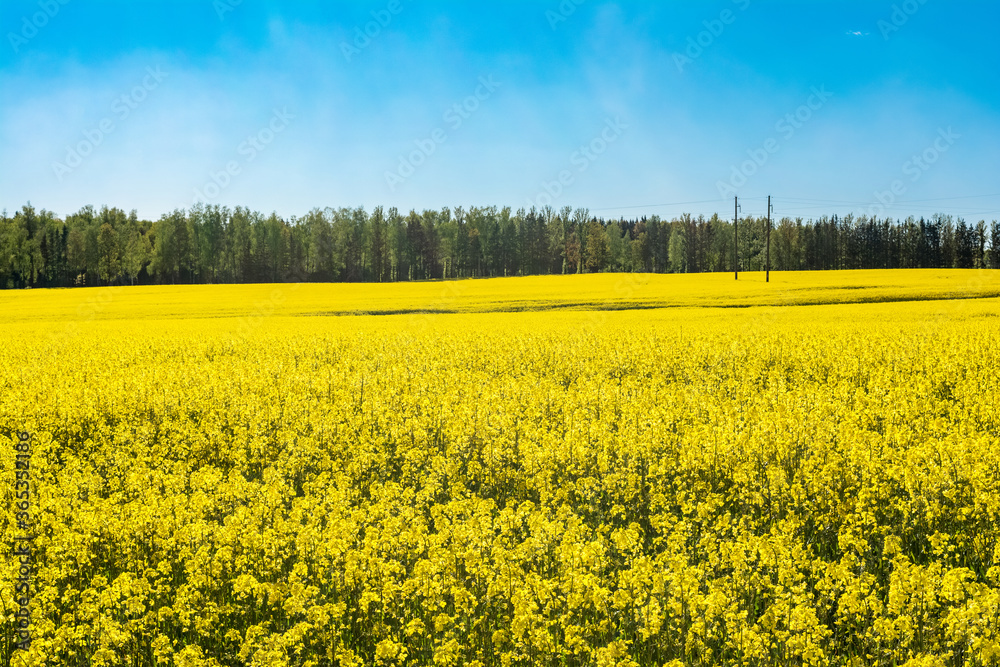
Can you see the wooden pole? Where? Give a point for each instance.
(767, 251)
(736, 236)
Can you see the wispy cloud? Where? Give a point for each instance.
(354, 118)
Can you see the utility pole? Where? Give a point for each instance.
(736, 236)
(767, 251)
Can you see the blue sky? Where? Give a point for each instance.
(625, 108)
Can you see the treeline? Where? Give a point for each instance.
(213, 244)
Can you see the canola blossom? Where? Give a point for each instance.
(581, 470)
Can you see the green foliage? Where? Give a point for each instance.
(213, 244)
(109, 264)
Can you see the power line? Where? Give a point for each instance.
(805, 203)
(911, 201)
(960, 209)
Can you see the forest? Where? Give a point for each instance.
(215, 244)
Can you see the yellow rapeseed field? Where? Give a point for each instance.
(580, 470)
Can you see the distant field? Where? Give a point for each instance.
(603, 469)
(586, 292)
